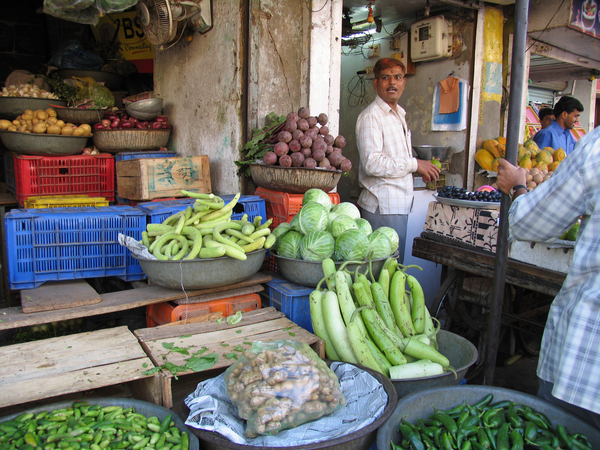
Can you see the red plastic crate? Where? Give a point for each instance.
(282, 207)
(167, 312)
(92, 175)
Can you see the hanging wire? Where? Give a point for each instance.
(308, 3)
(359, 83)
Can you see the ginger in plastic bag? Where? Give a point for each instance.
(92, 95)
(280, 385)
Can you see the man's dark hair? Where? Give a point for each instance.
(568, 104)
(387, 63)
(545, 112)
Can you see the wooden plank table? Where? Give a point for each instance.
(14, 317)
(266, 324)
(480, 262)
(75, 363)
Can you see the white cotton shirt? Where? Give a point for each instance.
(386, 161)
(570, 352)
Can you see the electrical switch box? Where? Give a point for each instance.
(431, 38)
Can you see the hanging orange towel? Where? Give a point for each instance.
(449, 95)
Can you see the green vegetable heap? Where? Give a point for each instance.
(93, 427)
(503, 425)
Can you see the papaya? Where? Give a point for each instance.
(545, 156)
(541, 166)
(559, 155)
(501, 140)
(495, 165)
(553, 166)
(484, 159)
(491, 145)
(502, 149)
(526, 162)
(532, 147)
(549, 149)
(523, 151)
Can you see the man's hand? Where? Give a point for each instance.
(509, 176)
(427, 170)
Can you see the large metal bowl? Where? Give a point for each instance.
(309, 273)
(421, 404)
(79, 115)
(362, 439)
(146, 109)
(462, 355)
(426, 152)
(43, 144)
(141, 407)
(202, 273)
(11, 107)
(110, 80)
(294, 180)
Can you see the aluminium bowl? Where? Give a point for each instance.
(202, 273)
(146, 109)
(461, 353)
(294, 180)
(43, 144)
(426, 152)
(130, 140)
(11, 107)
(423, 403)
(80, 115)
(309, 273)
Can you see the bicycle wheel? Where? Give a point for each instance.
(531, 308)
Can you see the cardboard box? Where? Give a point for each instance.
(150, 178)
(472, 226)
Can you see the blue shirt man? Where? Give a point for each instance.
(558, 134)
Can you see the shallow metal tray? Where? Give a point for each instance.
(11, 107)
(467, 203)
(43, 144)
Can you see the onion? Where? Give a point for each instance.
(141, 126)
(98, 126)
(126, 124)
(132, 119)
(105, 123)
(115, 123)
(167, 126)
(161, 119)
(156, 125)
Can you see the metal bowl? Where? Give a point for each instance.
(423, 403)
(11, 107)
(79, 115)
(294, 180)
(146, 109)
(426, 152)
(202, 273)
(462, 355)
(309, 273)
(362, 439)
(110, 80)
(132, 140)
(43, 144)
(141, 407)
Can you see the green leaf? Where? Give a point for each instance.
(238, 348)
(202, 363)
(292, 334)
(236, 318)
(231, 356)
(167, 345)
(223, 344)
(247, 343)
(238, 331)
(219, 320)
(152, 371)
(185, 336)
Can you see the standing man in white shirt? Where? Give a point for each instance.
(386, 161)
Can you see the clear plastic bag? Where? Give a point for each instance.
(87, 16)
(280, 385)
(114, 6)
(94, 95)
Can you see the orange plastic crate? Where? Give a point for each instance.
(282, 207)
(161, 313)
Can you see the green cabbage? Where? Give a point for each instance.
(352, 245)
(289, 245)
(317, 246)
(379, 246)
(311, 217)
(281, 229)
(392, 236)
(319, 196)
(341, 224)
(330, 218)
(364, 226)
(294, 223)
(347, 208)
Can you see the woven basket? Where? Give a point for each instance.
(294, 180)
(78, 115)
(114, 141)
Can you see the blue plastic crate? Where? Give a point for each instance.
(124, 156)
(252, 205)
(292, 300)
(71, 243)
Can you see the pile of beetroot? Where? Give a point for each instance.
(304, 141)
(120, 120)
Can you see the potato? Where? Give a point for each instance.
(53, 129)
(22, 128)
(27, 115)
(60, 123)
(16, 123)
(4, 124)
(51, 120)
(87, 127)
(66, 131)
(12, 128)
(79, 131)
(40, 127)
(51, 112)
(42, 115)
(531, 185)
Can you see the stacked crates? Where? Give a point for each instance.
(291, 299)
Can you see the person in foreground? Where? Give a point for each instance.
(385, 150)
(558, 134)
(569, 362)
